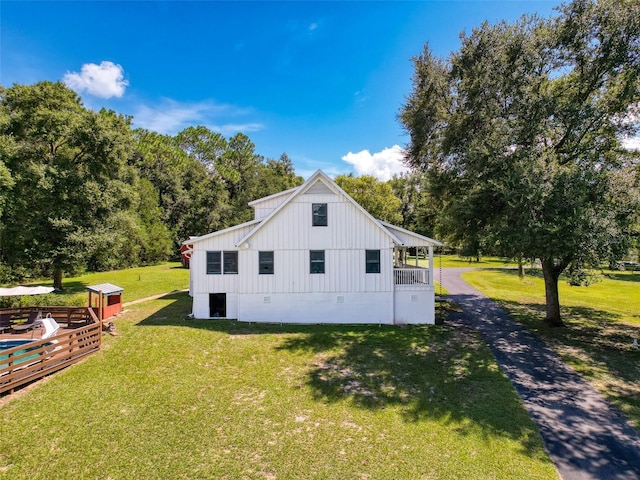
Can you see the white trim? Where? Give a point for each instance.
(220, 232)
(275, 195)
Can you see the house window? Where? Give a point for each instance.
(319, 214)
(230, 260)
(373, 261)
(265, 263)
(316, 258)
(214, 264)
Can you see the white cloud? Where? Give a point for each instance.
(105, 80)
(382, 165)
(631, 143)
(236, 127)
(170, 117)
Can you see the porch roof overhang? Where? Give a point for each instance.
(410, 239)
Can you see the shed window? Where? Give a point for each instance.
(265, 263)
(230, 262)
(316, 258)
(319, 214)
(214, 264)
(373, 261)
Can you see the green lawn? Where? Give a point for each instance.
(177, 398)
(140, 282)
(455, 261)
(601, 322)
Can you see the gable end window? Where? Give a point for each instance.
(214, 264)
(230, 262)
(316, 261)
(372, 261)
(265, 263)
(319, 211)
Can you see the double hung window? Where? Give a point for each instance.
(372, 258)
(265, 263)
(319, 211)
(316, 261)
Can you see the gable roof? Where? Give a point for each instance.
(398, 235)
(253, 203)
(319, 176)
(193, 240)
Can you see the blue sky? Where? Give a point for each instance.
(321, 81)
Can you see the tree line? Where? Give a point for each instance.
(83, 190)
(515, 149)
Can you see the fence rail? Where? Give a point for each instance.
(26, 363)
(411, 276)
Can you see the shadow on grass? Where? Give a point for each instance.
(597, 344)
(426, 372)
(624, 276)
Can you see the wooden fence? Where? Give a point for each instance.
(32, 361)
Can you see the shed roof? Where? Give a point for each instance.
(106, 289)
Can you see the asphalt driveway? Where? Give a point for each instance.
(585, 437)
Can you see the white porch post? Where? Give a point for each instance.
(430, 264)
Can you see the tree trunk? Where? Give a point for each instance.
(551, 274)
(520, 268)
(57, 279)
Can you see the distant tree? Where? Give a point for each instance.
(519, 133)
(374, 196)
(277, 176)
(192, 200)
(69, 168)
(420, 208)
(203, 145)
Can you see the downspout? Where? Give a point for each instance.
(393, 284)
(431, 266)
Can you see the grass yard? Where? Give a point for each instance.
(177, 398)
(455, 261)
(601, 322)
(140, 282)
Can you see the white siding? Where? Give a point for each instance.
(317, 308)
(345, 293)
(414, 306)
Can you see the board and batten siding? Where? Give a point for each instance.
(344, 293)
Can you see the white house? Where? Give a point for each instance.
(311, 255)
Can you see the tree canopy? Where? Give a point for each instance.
(374, 196)
(80, 189)
(519, 134)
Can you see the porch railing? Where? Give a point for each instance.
(411, 276)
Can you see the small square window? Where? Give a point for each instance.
(373, 261)
(214, 264)
(265, 263)
(316, 261)
(230, 262)
(319, 214)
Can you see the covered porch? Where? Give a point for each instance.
(413, 289)
(411, 273)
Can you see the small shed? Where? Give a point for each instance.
(105, 299)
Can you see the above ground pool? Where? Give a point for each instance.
(7, 344)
